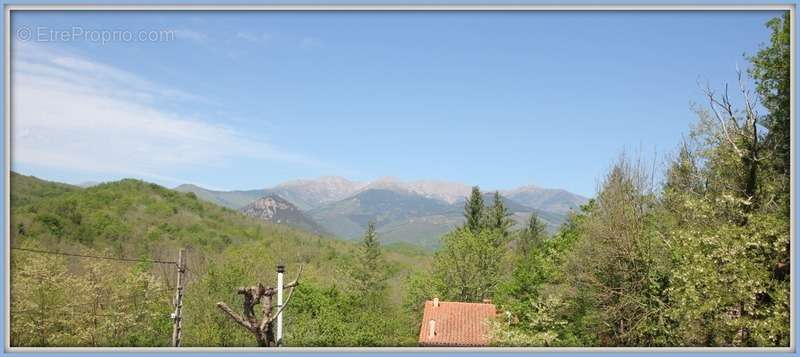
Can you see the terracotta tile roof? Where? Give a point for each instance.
(456, 324)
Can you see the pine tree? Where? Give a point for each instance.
(370, 248)
(531, 236)
(473, 210)
(497, 217)
(368, 273)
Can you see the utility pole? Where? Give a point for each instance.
(279, 321)
(176, 316)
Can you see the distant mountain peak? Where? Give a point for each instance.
(387, 179)
(530, 187)
(273, 208)
(322, 180)
(186, 186)
(266, 207)
(444, 190)
(310, 193)
(385, 183)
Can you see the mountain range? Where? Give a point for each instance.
(416, 212)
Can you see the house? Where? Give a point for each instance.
(456, 324)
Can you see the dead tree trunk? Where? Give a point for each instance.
(261, 328)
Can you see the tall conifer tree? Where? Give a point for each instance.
(498, 216)
(473, 210)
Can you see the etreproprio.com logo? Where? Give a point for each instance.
(101, 36)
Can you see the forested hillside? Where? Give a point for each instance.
(77, 301)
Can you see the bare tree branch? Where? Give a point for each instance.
(241, 321)
(726, 106)
(752, 115)
(286, 303)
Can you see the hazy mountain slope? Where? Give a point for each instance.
(449, 192)
(275, 209)
(488, 200)
(349, 217)
(553, 220)
(421, 231)
(309, 194)
(230, 199)
(546, 199)
(404, 216)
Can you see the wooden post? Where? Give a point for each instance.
(176, 316)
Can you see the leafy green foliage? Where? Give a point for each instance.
(80, 302)
(467, 267)
(701, 261)
(331, 317)
(771, 67)
(104, 306)
(530, 237)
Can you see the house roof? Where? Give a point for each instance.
(456, 324)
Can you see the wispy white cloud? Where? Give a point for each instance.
(32, 59)
(73, 113)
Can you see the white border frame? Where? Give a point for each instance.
(8, 8)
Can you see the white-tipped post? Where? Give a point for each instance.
(279, 323)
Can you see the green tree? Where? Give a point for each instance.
(473, 210)
(498, 216)
(369, 271)
(41, 302)
(770, 70)
(467, 266)
(621, 263)
(107, 306)
(541, 308)
(530, 237)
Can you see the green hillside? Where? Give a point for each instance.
(28, 189)
(226, 249)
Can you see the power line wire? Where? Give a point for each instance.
(97, 256)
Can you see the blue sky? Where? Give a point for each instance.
(241, 100)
